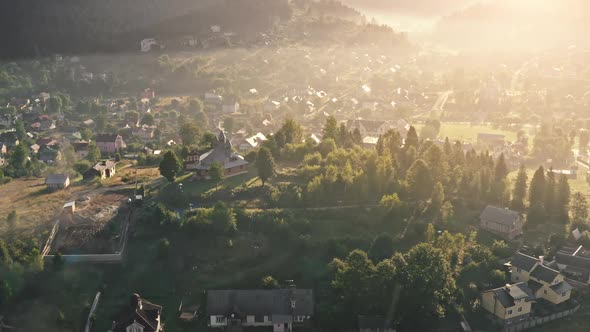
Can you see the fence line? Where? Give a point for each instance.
(47, 247)
(90, 258)
(536, 321)
(90, 320)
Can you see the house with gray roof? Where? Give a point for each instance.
(522, 265)
(503, 222)
(57, 181)
(279, 308)
(574, 263)
(222, 153)
(544, 281)
(509, 304)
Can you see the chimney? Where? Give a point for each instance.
(541, 259)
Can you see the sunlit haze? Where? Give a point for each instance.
(295, 165)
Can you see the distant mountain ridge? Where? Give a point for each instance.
(428, 8)
(33, 27)
(509, 24)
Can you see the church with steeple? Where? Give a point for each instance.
(222, 152)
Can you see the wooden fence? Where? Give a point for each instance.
(536, 321)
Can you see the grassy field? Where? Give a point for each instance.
(468, 132)
(36, 207)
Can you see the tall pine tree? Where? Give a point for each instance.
(537, 188)
(500, 169)
(562, 200)
(550, 195)
(412, 139)
(519, 192)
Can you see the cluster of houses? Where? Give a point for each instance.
(539, 288)
(535, 290)
(278, 310)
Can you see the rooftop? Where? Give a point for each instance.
(499, 215)
(524, 262)
(260, 302)
(543, 273)
(56, 179)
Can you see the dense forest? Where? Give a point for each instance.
(66, 26)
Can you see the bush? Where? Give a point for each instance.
(251, 156)
(501, 249)
(82, 166)
(163, 248)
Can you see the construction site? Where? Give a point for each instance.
(90, 226)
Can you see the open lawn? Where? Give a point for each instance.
(467, 132)
(35, 205)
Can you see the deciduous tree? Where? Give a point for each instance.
(189, 133)
(579, 209)
(331, 128)
(265, 165)
(170, 166)
(428, 283)
(216, 172)
(93, 152)
(381, 248)
(419, 181)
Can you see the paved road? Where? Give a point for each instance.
(439, 105)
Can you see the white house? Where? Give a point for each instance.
(279, 308)
(252, 142)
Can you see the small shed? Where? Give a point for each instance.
(57, 181)
(70, 207)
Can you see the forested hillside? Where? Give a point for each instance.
(68, 26)
(415, 7)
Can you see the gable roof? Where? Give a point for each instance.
(571, 260)
(106, 138)
(56, 179)
(561, 287)
(369, 125)
(508, 294)
(104, 165)
(499, 215)
(543, 273)
(534, 286)
(524, 262)
(80, 146)
(260, 302)
(146, 314)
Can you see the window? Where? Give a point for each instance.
(219, 319)
(259, 319)
(510, 312)
(519, 309)
(135, 328)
